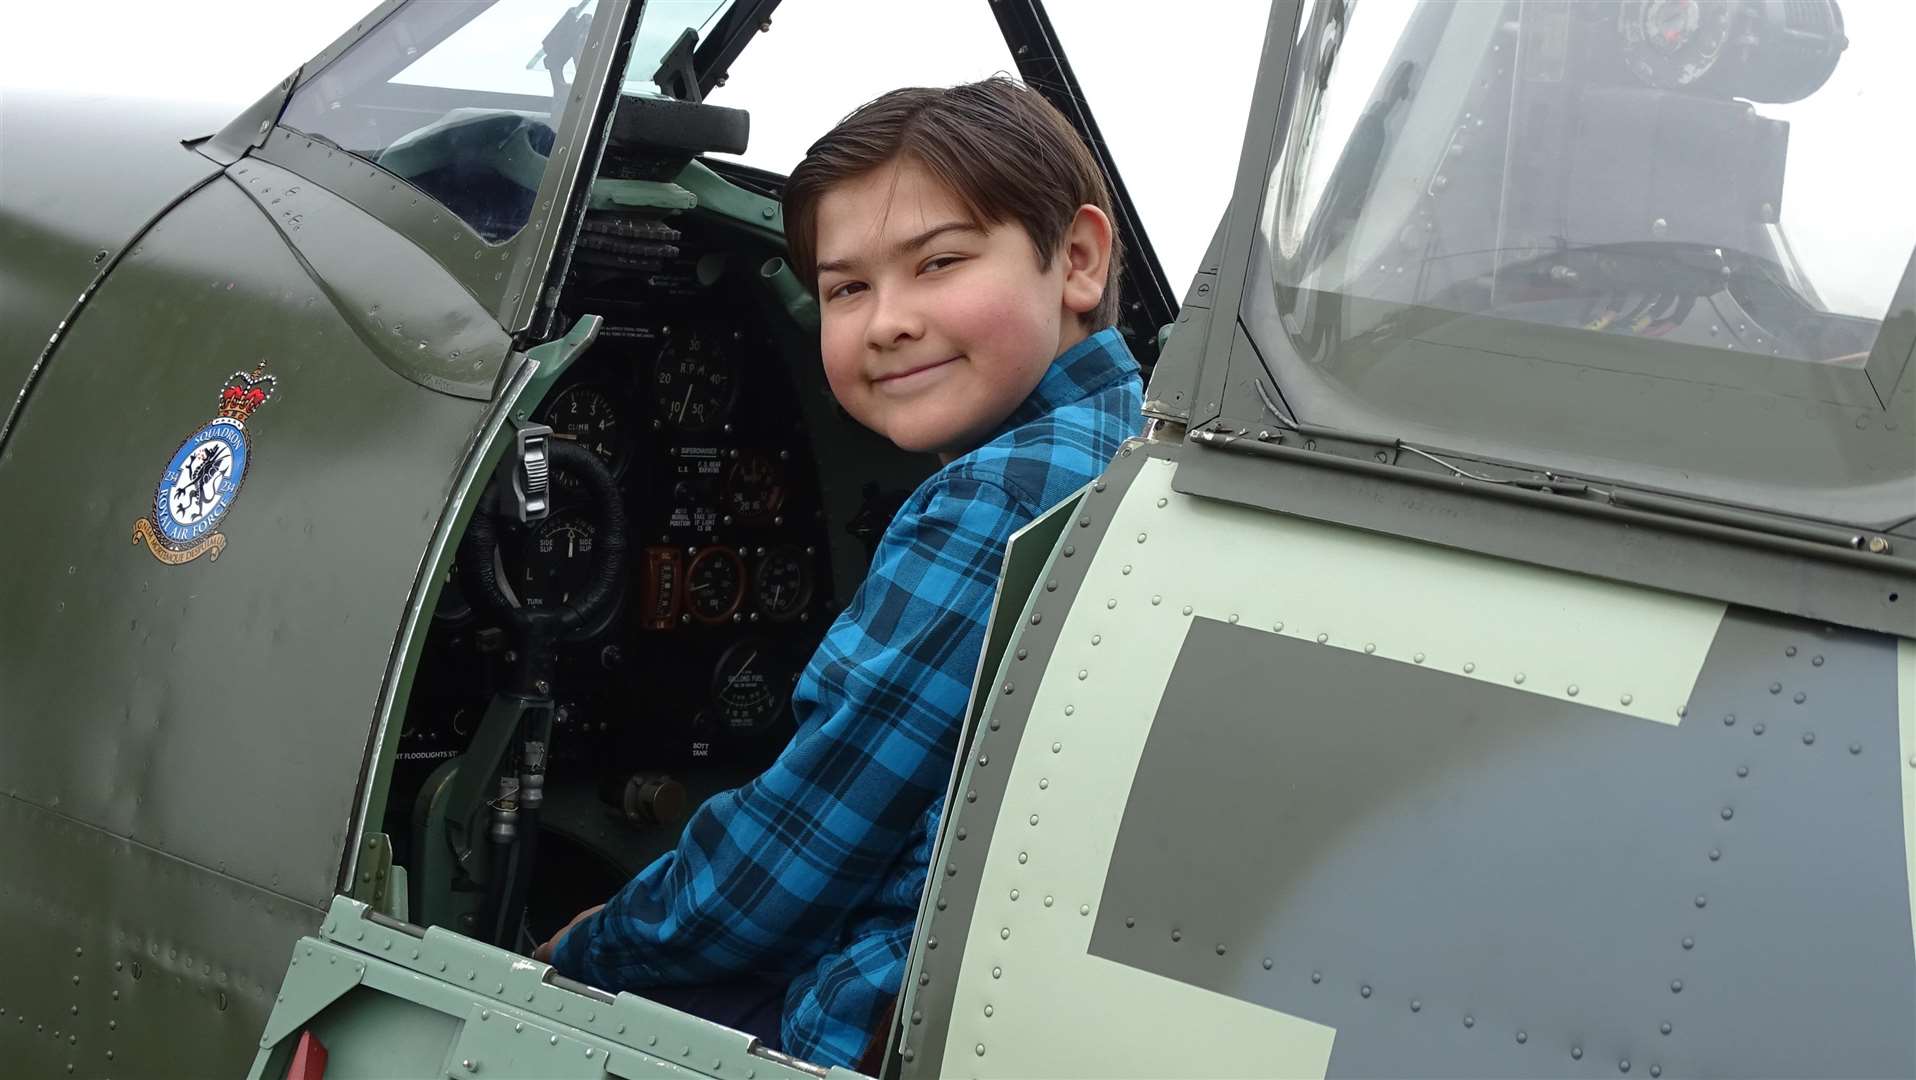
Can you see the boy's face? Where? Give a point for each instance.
(933, 328)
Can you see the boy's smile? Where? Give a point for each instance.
(935, 327)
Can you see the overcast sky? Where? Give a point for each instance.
(1170, 84)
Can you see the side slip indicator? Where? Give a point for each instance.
(203, 477)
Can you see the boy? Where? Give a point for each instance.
(960, 245)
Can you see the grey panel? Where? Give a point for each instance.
(971, 817)
(1466, 879)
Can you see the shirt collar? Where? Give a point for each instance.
(1090, 366)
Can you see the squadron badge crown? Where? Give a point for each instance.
(203, 477)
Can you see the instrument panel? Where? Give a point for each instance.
(727, 573)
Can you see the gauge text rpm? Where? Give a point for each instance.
(694, 385)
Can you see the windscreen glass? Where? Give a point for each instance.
(1654, 240)
(461, 98)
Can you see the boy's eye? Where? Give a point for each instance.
(843, 289)
(939, 262)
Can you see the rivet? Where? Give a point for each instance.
(1623, 1065)
(1790, 651)
(1084, 523)
(1051, 586)
(1084, 909)
(1689, 943)
(1809, 738)
(981, 1049)
(1416, 1005)
(1702, 900)
(1156, 600)
(1187, 609)
(1070, 710)
(1267, 963)
(1576, 1052)
(1518, 678)
(1757, 729)
(1322, 638)
(1070, 550)
(997, 972)
(1034, 819)
(931, 943)
(1729, 720)
(925, 979)
(1676, 986)
(1014, 895)
(1082, 674)
(1162, 503)
(1470, 1021)
(1369, 647)
(1220, 949)
(1855, 748)
(1140, 538)
(1656, 1070)
(1742, 771)
(1800, 697)
(1022, 653)
(951, 870)
(1125, 569)
(1571, 690)
(914, 1018)
(1364, 991)
(1099, 486)
(1177, 935)
(1816, 661)
(519, 1028)
(1522, 1037)
(1278, 626)
(1036, 618)
(1417, 658)
(1715, 854)
(1043, 783)
(1130, 922)
(1776, 688)
(1008, 688)
(1664, 1027)
(1682, 711)
(1469, 667)
(1317, 976)
(1047, 901)
(1057, 747)
(1023, 857)
(1232, 620)
(1728, 813)
(1625, 699)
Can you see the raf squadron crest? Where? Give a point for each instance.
(203, 477)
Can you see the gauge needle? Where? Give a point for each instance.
(742, 669)
(686, 401)
(571, 545)
(777, 591)
(563, 435)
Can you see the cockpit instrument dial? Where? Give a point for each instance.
(587, 415)
(754, 489)
(558, 563)
(782, 583)
(1673, 43)
(694, 384)
(750, 687)
(714, 585)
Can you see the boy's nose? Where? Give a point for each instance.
(893, 322)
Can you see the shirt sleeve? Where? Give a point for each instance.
(764, 877)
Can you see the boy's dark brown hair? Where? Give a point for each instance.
(1000, 147)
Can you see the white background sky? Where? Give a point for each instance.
(1168, 83)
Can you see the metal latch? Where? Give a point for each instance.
(531, 472)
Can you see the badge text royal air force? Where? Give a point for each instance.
(203, 477)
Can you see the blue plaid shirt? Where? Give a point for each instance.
(816, 867)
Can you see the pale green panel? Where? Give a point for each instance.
(393, 1001)
(1029, 1000)
(1906, 725)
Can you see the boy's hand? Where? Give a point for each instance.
(543, 953)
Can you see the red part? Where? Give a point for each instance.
(309, 1059)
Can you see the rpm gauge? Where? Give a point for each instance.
(714, 585)
(750, 688)
(782, 584)
(694, 384)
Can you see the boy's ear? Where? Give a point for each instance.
(1086, 252)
